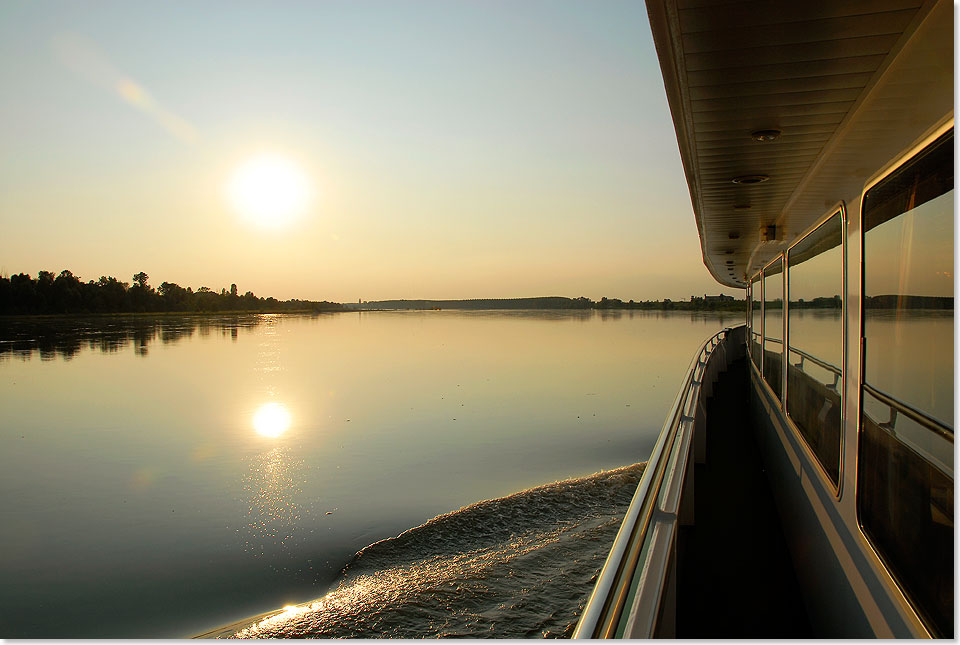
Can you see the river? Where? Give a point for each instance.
(164, 475)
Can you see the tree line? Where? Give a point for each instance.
(555, 302)
(66, 294)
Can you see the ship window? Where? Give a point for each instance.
(773, 325)
(755, 327)
(905, 465)
(815, 331)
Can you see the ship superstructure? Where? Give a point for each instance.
(803, 482)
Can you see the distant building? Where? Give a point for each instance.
(708, 299)
(720, 298)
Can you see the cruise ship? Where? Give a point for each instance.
(802, 485)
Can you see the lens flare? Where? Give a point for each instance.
(271, 420)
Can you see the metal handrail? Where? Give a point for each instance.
(833, 369)
(756, 335)
(816, 361)
(911, 412)
(602, 613)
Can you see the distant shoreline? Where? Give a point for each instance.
(707, 303)
(150, 314)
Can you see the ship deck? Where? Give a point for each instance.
(735, 575)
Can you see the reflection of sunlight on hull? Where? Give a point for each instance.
(271, 420)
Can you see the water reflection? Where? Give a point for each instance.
(271, 419)
(258, 522)
(272, 484)
(66, 337)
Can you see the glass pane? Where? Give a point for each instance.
(909, 306)
(906, 507)
(755, 304)
(773, 325)
(905, 467)
(816, 341)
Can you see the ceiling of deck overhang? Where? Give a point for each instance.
(810, 70)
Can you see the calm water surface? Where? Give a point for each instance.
(163, 476)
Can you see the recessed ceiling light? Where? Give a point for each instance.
(729, 251)
(750, 179)
(734, 235)
(741, 207)
(765, 135)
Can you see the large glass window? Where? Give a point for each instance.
(905, 466)
(816, 341)
(756, 347)
(773, 326)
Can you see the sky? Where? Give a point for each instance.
(468, 149)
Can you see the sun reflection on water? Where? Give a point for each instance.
(271, 420)
(273, 487)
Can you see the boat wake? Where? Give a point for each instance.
(515, 567)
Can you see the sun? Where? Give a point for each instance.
(271, 420)
(269, 190)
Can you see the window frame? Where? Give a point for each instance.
(889, 169)
(757, 278)
(841, 209)
(781, 397)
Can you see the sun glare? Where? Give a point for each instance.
(271, 191)
(271, 420)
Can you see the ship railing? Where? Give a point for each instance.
(634, 585)
(833, 369)
(900, 407)
(769, 339)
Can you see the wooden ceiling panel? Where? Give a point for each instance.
(786, 71)
(756, 14)
(746, 55)
(782, 86)
(776, 171)
(805, 68)
(780, 156)
(780, 34)
(796, 123)
(740, 144)
(691, 4)
(744, 103)
(772, 112)
(741, 136)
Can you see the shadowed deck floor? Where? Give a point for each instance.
(735, 576)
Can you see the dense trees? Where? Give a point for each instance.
(66, 293)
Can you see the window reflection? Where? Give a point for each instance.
(905, 465)
(755, 304)
(773, 325)
(815, 355)
(909, 306)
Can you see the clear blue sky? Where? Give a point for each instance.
(452, 149)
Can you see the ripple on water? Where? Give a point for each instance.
(515, 567)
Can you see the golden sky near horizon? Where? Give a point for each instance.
(342, 150)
